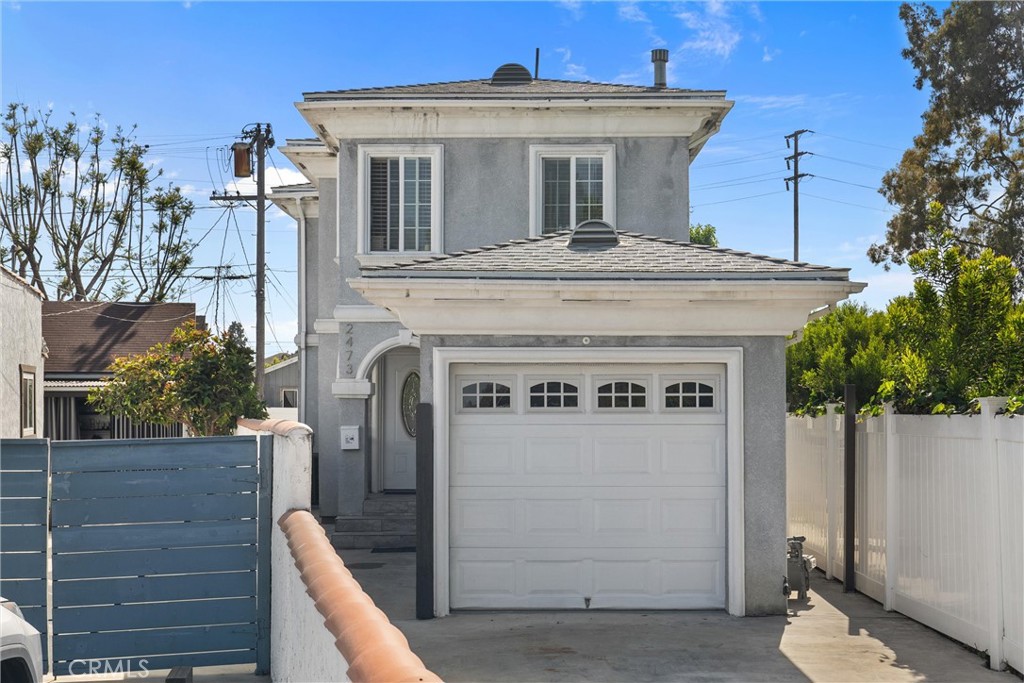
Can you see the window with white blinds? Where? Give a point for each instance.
(399, 204)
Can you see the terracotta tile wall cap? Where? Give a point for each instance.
(277, 426)
(375, 650)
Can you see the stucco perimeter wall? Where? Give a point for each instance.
(764, 441)
(21, 343)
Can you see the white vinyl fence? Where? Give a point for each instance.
(939, 517)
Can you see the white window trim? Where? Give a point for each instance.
(28, 372)
(731, 357)
(295, 389)
(367, 152)
(538, 152)
(669, 380)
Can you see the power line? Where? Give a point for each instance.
(845, 182)
(847, 161)
(863, 142)
(723, 184)
(839, 201)
(738, 199)
(750, 158)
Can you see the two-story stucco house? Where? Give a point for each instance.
(590, 417)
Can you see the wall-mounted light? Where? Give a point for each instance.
(242, 152)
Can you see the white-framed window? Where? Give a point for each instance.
(691, 393)
(570, 184)
(554, 393)
(486, 393)
(28, 400)
(621, 393)
(290, 397)
(400, 190)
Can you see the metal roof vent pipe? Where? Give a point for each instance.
(660, 59)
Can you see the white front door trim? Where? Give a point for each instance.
(731, 357)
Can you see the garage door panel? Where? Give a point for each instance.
(554, 455)
(681, 578)
(486, 456)
(601, 456)
(617, 456)
(580, 517)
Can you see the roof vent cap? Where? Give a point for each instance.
(511, 74)
(593, 234)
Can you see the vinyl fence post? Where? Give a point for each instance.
(849, 486)
(892, 519)
(994, 538)
(831, 490)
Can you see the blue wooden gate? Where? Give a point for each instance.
(24, 468)
(160, 553)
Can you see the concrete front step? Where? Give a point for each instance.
(386, 504)
(371, 539)
(405, 524)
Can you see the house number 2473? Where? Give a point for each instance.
(346, 349)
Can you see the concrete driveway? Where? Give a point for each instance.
(832, 636)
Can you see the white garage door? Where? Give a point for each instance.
(587, 486)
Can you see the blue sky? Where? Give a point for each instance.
(192, 74)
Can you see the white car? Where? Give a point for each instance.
(21, 649)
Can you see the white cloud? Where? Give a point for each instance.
(570, 69)
(774, 102)
(573, 7)
(277, 177)
(770, 54)
(631, 12)
(714, 32)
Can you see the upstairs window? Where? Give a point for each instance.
(400, 198)
(571, 184)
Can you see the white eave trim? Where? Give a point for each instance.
(535, 118)
(631, 308)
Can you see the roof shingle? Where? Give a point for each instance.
(541, 87)
(85, 336)
(635, 256)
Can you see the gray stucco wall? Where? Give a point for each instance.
(764, 442)
(278, 378)
(21, 343)
(487, 190)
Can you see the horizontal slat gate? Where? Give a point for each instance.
(155, 553)
(24, 464)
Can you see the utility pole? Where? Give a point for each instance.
(263, 137)
(795, 179)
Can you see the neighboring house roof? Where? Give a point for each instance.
(84, 337)
(540, 87)
(636, 256)
(283, 364)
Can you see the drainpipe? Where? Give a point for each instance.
(302, 310)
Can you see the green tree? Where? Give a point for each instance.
(201, 380)
(92, 216)
(959, 336)
(704, 233)
(969, 156)
(847, 346)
